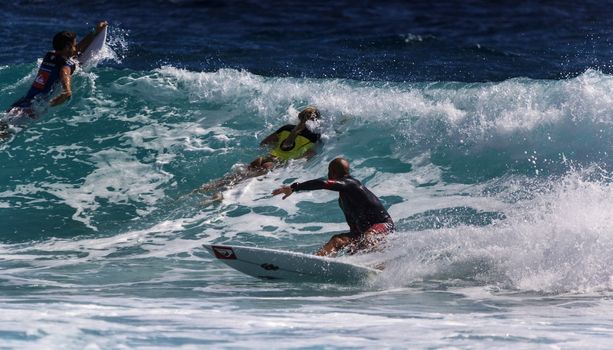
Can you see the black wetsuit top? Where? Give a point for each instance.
(361, 207)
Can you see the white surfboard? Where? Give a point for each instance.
(93, 50)
(290, 266)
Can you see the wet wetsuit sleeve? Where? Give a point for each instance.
(319, 184)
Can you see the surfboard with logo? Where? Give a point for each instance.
(274, 264)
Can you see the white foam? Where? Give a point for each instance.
(558, 241)
(312, 323)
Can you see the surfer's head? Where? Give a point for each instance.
(309, 113)
(338, 168)
(65, 42)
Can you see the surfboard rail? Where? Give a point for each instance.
(93, 50)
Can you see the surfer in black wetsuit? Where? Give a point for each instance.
(368, 220)
(57, 66)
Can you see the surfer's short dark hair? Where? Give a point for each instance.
(63, 39)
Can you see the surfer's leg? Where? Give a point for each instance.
(261, 165)
(19, 113)
(229, 180)
(257, 163)
(372, 239)
(336, 243)
(219, 184)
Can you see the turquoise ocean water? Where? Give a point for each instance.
(501, 191)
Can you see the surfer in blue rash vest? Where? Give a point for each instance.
(57, 66)
(368, 220)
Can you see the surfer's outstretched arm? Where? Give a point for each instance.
(87, 40)
(319, 184)
(311, 185)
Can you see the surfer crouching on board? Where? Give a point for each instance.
(288, 142)
(57, 66)
(368, 220)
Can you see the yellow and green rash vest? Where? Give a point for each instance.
(305, 141)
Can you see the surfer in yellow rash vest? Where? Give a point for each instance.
(288, 142)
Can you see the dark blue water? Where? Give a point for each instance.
(363, 40)
(486, 128)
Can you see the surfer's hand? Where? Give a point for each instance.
(286, 190)
(100, 26)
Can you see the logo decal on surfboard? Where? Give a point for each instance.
(269, 267)
(224, 253)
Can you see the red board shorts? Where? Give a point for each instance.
(371, 238)
(381, 229)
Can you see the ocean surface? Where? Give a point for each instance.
(486, 128)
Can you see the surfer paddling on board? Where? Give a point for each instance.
(369, 223)
(288, 142)
(57, 66)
